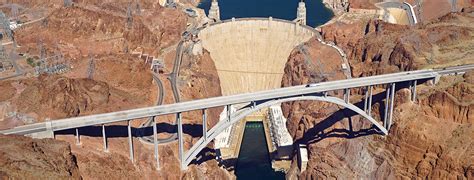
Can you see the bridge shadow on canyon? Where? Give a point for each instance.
(116, 131)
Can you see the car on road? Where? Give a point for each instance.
(312, 85)
(190, 12)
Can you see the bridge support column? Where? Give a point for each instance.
(392, 102)
(369, 110)
(347, 95)
(104, 136)
(180, 142)
(155, 143)
(78, 137)
(387, 96)
(366, 98)
(228, 113)
(413, 90)
(130, 140)
(204, 124)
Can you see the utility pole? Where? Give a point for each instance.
(14, 9)
(138, 9)
(90, 69)
(68, 3)
(3, 58)
(42, 51)
(129, 17)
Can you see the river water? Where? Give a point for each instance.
(317, 13)
(254, 160)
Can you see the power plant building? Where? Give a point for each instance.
(281, 138)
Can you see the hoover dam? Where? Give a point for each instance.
(250, 53)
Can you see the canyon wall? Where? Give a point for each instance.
(429, 139)
(26, 158)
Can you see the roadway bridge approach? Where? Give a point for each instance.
(252, 102)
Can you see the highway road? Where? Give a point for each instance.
(174, 86)
(113, 117)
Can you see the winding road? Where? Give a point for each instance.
(172, 78)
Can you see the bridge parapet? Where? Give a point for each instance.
(255, 101)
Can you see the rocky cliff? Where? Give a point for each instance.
(26, 158)
(429, 139)
(389, 48)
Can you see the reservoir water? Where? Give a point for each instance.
(254, 160)
(317, 13)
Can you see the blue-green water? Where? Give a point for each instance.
(317, 13)
(254, 160)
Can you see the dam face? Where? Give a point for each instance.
(250, 54)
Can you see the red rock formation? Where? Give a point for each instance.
(430, 139)
(26, 158)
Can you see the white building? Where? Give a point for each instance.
(223, 139)
(280, 136)
(302, 157)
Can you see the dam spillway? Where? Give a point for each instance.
(250, 53)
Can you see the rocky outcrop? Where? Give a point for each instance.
(106, 24)
(26, 158)
(63, 97)
(428, 140)
(337, 6)
(388, 48)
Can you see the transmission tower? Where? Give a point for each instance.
(3, 55)
(138, 9)
(14, 9)
(67, 3)
(3, 58)
(5, 25)
(42, 51)
(90, 69)
(129, 17)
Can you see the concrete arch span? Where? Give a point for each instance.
(250, 53)
(248, 110)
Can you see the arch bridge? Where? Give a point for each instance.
(251, 102)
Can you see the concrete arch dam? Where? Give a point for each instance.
(250, 53)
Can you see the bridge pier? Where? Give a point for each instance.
(369, 110)
(392, 102)
(413, 90)
(104, 137)
(387, 96)
(228, 113)
(180, 142)
(366, 98)
(204, 124)
(78, 138)
(347, 94)
(155, 143)
(130, 140)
